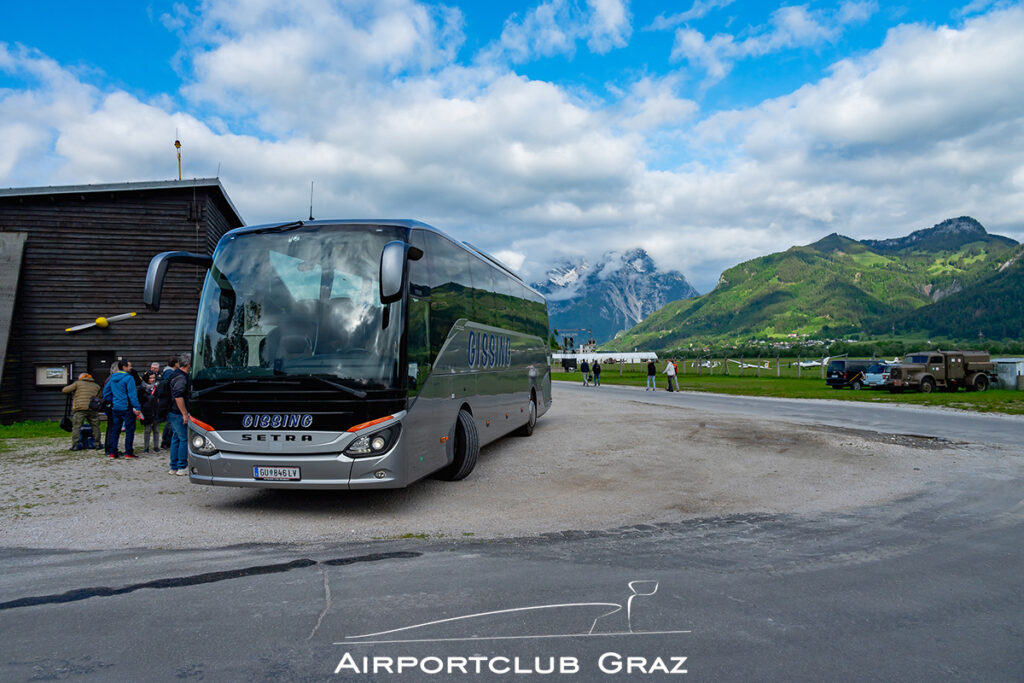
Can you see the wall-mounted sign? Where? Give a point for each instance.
(52, 375)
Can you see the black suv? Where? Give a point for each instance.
(847, 372)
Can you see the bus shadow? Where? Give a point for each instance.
(353, 504)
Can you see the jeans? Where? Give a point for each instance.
(109, 443)
(126, 418)
(179, 441)
(152, 429)
(650, 382)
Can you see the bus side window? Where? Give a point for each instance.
(483, 292)
(419, 354)
(451, 289)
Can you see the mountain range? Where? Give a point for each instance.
(954, 277)
(611, 296)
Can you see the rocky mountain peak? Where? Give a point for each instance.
(615, 294)
(945, 235)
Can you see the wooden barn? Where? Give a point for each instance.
(71, 254)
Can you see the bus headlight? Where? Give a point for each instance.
(373, 444)
(201, 444)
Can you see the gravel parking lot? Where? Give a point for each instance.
(592, 463)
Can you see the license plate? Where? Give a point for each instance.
(276, 473)
(897, 382)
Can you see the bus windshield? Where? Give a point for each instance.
(300, 302)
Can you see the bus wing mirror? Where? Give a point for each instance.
(392, 269)
(158, 271)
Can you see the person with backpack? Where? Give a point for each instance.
(165, 401)
(86, 405)
(597, 373)
(122, 393)
(670, 374)
(652, 372)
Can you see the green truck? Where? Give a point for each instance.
(927, 371)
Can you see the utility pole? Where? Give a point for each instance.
(177, 146)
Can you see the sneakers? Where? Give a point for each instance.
(130, 456)
(172, 471)
(112, 456)
(182, 473)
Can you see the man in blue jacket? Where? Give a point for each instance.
(120, 390)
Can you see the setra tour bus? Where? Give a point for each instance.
(356, 354)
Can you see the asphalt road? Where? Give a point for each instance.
(887, 418)
(922, 588)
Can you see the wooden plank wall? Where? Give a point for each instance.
(87, 256)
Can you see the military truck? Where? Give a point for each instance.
(927, 371)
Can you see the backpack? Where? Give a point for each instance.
(163, 391)
(97, 404)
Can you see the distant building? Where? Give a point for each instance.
(85, 252)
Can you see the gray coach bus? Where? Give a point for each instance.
(356, 354)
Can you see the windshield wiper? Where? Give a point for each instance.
(223, 385)
(355, 392)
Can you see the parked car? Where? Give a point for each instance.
(877, 375)
(847, 372)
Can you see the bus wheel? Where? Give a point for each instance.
(980, 383)
(527, 429)
(466, 447)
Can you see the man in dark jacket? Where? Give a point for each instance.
(83, 390)
(165, 405)
(177, 418)
(120, 390)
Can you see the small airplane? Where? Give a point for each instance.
(704, 364)
(753, 366)
(101, 322)
(816, 363)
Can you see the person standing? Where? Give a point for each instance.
(177, 418)
(597, 373)
(670, 373)
(165, 401)
(150, 413)
(121, 391)
(82, 391)
(585, 369)
(652, 372)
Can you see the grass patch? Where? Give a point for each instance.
(32, 429)
(992, 401)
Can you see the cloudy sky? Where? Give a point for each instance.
(706, 131)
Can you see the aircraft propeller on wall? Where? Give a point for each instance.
(101, 322)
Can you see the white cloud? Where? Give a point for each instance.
(790, 27)
(699, 10)
(554, 27)
(925, 127)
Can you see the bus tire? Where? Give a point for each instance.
(466, 449)
(927, 385)
(531, 422)
(980, 383)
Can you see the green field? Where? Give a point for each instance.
(809, 385)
